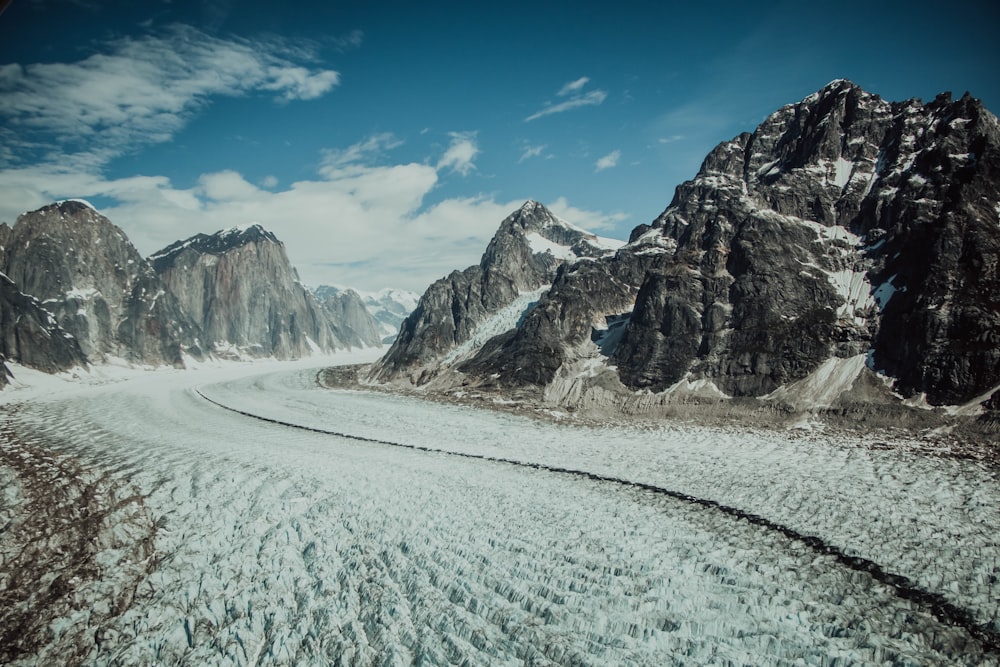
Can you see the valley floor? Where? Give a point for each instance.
(244, 515)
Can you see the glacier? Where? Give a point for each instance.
(231, 525)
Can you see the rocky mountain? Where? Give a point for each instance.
(240, 288)
(520, 262)
(85, 272)
(387, 307)
(390, 307)
(30, 335)
(349, 314)
(848, 243)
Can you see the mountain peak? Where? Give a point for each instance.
(67, 208)
(532, 215)
(71, 206)
(218, 243)
(834, 239)
(243, 234)
(840, 85)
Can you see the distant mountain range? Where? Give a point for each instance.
(843, 254)
(74, 291)
(388, 307)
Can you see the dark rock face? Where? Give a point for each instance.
(31, 336)
(524, 256)
(583, 297)
(843, 229)
(940, 331)
(240, 288)
(842, 224)
(88, 275)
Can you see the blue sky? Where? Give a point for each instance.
(383, 142)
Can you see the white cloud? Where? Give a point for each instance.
(532, 151)
(608, 161)
(590, 220)
(573, 86)
(350, 41)
(460, 153)
(364, 152)
(298, 83)
(226, 185)
(593, 98)
(364, 220)
(140, 91)
(367, 227)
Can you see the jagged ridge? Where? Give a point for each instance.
(845, 235)
(523, 256)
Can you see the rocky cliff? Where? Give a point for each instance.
(845, 237)
(30, 335)
(240, 288)
(84, 271)
(388, 308)
(520, 261)
(350, 316)
(843, 226)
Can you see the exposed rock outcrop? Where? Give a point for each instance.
(84, 270)
(846, 236)
(240, 288)
(349, 316)
(388, 307)
(844, 225)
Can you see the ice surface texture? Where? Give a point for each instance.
(276, 545)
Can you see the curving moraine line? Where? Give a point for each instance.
(943, 610)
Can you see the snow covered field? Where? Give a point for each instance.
(180, 532)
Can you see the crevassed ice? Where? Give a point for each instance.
(503, 320)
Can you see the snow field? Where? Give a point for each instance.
(280, 546)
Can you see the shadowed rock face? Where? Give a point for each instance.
(524, 255)
(844, 226)
(84, 270)
(241, 289)
(29, 335)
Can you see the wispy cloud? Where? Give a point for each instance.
(573, 86)
(140, 91)
(350, 41)
(577, 98)
(362, 153)
(608, 161)
(460, 153)
(531, 151)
